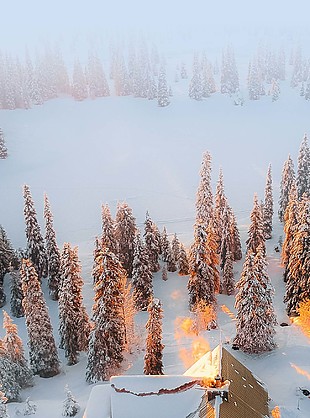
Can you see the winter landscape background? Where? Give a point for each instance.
(114, 149)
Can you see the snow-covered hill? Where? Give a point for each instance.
(114, 149)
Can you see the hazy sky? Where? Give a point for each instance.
(28, 20)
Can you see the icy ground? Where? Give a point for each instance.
(114, 149)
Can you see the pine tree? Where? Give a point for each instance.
(107, 337)
(108, 229)
(164, 273)
(165, 245)
(73, 321)
(275, 90)
(70, 405)
(235, 236)
(6, 254)
(171, 262)
(228, 285)
(163, 92)
(98, 86)
(52, 252)
(153, 364)
(226, 253)
(220, 205)
(287, 180)
(14, 350)
(183, 265)
(35, 244)
(3, 148)
(255, 314)
(303, 170)
(142, 280)
(297, 285)
(229, 75)
(290, 225)
(125, 231)
(175, 247)
(8, 373)
(195, 87)
(3, 408)
(42, 349)
(268, 206)
(152, 243)
(79, 87)
(204, 199)
(16, 294)
(29, 409)
(256, 230)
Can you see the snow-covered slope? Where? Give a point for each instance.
(114, 149)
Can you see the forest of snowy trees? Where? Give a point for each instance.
(142, 71)
(125, 259)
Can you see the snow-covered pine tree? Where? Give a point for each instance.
(142, 280)
(42, 348)
(183, 71)
(5, 261)
(153, 364)
(3, 148)
(275, 90)
(164, 273)
(29, 409)
(152, 243)
(219, 207)
(70, 405)
(125, 231)
(163, 92)
(303, 169)
(288, 178)
(107, 337)
(97, 82)
(212, 254)
(201, 286)
(35, 243)
(183, 265)
(52, 252)
(255, 315)
(14, 350)
(8, 373)
(256, 230)
(290, 225)
(268, 206)
(297, 285)
(74, 325)
(79, 86)
(165, 245)
(16, 294)
(175, 247)
(108, 229)
(171, 262)
(195, 86)
(229, 75)
(228, 283)
(236, 242)
(226, 255)
(204, 198)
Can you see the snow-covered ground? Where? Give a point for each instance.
(114, 149)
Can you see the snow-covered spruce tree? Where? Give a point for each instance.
(204, 198)
(107, 336)
(3, 148)
(73, 321)
(79, 86)
(70, 405)
(29, 409)
(201, 286)
(235, 236)
(212, 254)
(183, 265)
(16, 294)
(219, 207)
(163, 92)
(268, 206)
(3, 408)
(42, 348)
(6, 260)
(195, 86)
(255, 315)
(303, 169)
(298, 269)
(275, 90)
(228, 283)
(153, 364)
(290, 225)
(35, 244)
(108, 229)
(256, 230)
(125, 231)
(165, 245)
(52, 252)
(142, 280)
(97, 82)
(171, 262)
(288, 178)
(175, 246)
(226, 256)
(164, 273)
(152, 243)
(229, 75)
(8, 372)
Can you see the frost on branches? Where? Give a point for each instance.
(70, 405)
(35, 244)
(6, 260)
(42, 348)
(108, 229)
(256, 230)
(268, 206)
(74, 325)
(255, 315)
(3, 408)
(152, 243)
(107, 337)
(204, 199)
(303, 169)
(3, 148)
(153, 364)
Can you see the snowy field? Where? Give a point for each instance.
(83, 154)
